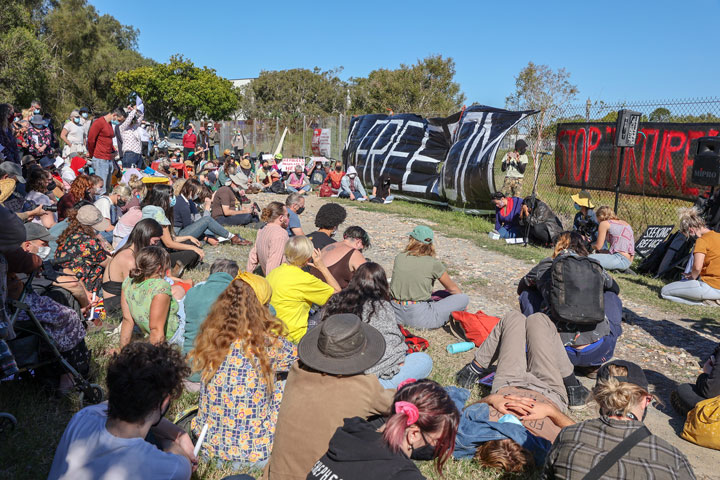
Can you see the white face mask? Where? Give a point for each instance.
(43, 252)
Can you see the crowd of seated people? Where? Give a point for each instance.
(298, 361)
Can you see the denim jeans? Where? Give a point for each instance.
(611, 261)
(689, 292)
(306, 188)
(104, 169)
(197, 228)
(508, 232)
(430, 314)
(417, 365)
(132, 159)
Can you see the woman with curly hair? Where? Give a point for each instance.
(368, 296)
(80, 189)
(238, 352)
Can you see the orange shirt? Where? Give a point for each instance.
(709, 244)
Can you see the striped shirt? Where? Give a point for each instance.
(580, 447)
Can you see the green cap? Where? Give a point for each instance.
(422, 234)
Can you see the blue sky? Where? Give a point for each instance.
(614, 50)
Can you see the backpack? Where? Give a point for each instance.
(577, 290)
(277, 187)
(703, 424)
(471, 327)
(325, 190)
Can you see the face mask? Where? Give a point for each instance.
(84, 115)
(300, 210)
(509, 418)
(121, 203)
(51, 186)
(337, 169)
(577, 207)
(36, 111)
(114, 122)
(162, 414)
(43, 252)
(17, 119)
(76, 120)
(351, 176)
(173, 200)
(81, 170)
(266, 167)
(426, 452)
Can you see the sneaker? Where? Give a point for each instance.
(712, 303)
(577, 396)
(455, 329)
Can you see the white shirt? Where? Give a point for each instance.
(104, 204)
(68, 174)
(76, 133)
(88, 451)
(144, 135)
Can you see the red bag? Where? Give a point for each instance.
(325, 190)
(476, 326)
(414, 343)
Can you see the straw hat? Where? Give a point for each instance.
(583, 199)
(7, 187)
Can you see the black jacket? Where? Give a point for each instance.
(709, 385)
(357, 451)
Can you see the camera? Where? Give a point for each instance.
(50, 208)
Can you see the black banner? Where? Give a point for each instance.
(660, 165)
(439, 160)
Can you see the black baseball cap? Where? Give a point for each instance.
(84, 109)
(635, 374)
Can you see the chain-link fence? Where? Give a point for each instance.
(660, 164)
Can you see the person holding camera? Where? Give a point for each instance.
(585, 221)
(514, 164)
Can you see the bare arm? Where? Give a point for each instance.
(228, 212)
(159, 309)
(127, 324)
(297, 232)
(698, 261)
(602, 233)
(168, 241)
(320, 265)
(449, 284)
(356, 260)
(63, 136)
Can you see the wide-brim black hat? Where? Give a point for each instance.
(342, 345)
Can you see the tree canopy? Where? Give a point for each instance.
(178, 88)
(63, 53)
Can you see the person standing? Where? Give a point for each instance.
(73, 134)
(100, 145)
(213, 143)
(514, 164)
(7, 137)
(189, 142)
(131, 143)
(238, 143)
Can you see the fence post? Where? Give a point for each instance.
(304, 123)
(255, 150)
(339, 135)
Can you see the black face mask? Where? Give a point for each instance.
(300, 210)
(51, 186)
(426, 452)
(162, 414)
(121, 203)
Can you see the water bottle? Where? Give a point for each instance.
(460, 347)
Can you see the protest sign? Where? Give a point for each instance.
(321, 142)
(653, 236)
(289, 164)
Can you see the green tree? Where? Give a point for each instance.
(428, 87)
(290, 94)
(539, 87)
(178, 88)
(660, 114)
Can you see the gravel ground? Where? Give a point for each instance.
(669, 348)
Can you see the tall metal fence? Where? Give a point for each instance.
(640, 209)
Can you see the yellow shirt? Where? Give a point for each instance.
(709, 244)
(294, 291)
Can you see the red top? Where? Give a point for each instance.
(100, 140)
(189, 140)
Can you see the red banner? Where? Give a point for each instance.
(660, 165)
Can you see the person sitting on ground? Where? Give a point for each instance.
(539, 221)
(142, 381)
(619, 236)
(298, 182)
(323, 388)
(225, 201)
(229, 167)
(368, 296)
(239, 352)
(80, 189)
(422, 426)
(343, 258)
(317, 174)
(414, 273)
(621, 392)
(158, 204)
(534, 379)
(702, 283)
(80, 251)
(184, 210)
(39, 183)
(263, 174)
(588, 346)
(334, 178)
(98, 186)
(327, 220)
(295, 291)
(109, 206)
(132, 212)
(585, 221)
(150, 302)
(269, 249)
(295, 204)
(351, 187)
(507, 215)
(706, 386)
(145, 234)
(247, 177)
(198, 301)
(381, 190)
(276, 184)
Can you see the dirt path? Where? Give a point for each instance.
(669, 348)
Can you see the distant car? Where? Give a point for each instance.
(175, 139)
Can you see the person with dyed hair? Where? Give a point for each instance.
(422, 426)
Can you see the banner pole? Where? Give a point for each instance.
(532, 198)
(617, 185)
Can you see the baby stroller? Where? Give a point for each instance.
(34, 348)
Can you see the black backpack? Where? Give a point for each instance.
(577, 290)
